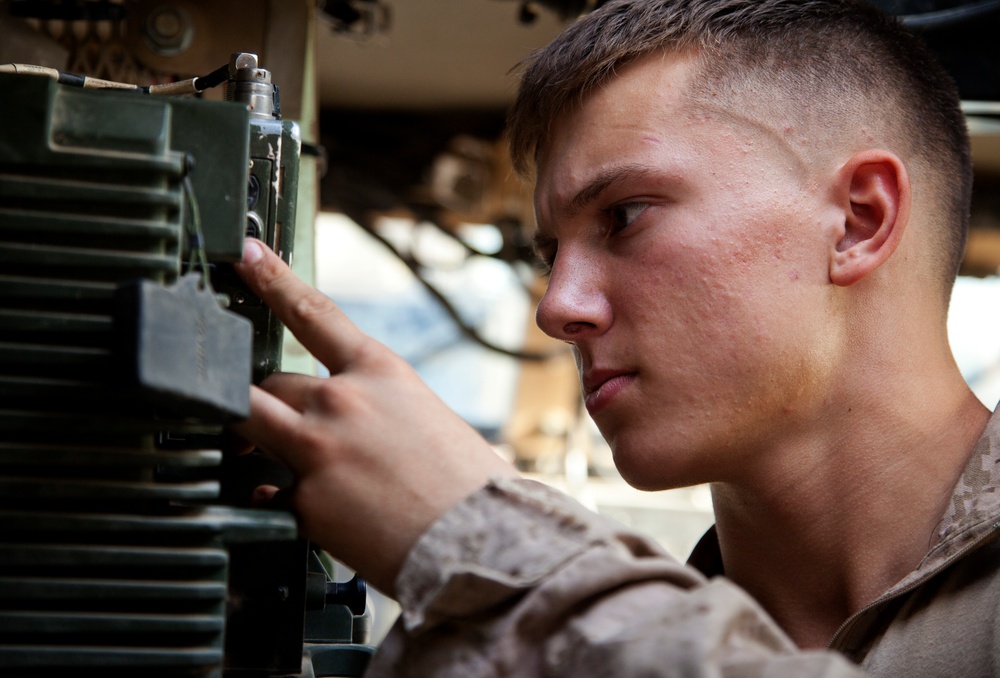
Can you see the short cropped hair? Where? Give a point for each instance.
(837, 57)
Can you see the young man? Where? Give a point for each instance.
(753, 212)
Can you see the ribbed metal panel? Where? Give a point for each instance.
(106, 561)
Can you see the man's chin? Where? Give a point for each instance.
(638, 469)
(651, 468)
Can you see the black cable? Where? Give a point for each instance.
(465, 329)
(522, 253)
(469, 249)
(213, 79)
(179, 88)
(948, 17)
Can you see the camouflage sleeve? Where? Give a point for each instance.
(520, 580)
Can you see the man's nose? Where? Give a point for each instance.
(574, 305)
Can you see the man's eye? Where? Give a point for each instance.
(623, 214)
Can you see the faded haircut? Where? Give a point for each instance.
(835, 58)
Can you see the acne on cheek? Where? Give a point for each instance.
(744, 254)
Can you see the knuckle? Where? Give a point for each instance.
(313, 441)
(335, 395)
(309, 307)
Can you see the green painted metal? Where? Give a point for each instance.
(110, 556)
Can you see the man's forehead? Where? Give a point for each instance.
(648, 95)
(678, 83)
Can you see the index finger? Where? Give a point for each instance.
(310, 315)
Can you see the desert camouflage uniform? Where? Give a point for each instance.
(520, 580)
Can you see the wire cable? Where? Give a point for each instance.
(949, 17)
(181, 87)
(466, 329)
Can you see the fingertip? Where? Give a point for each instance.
(264, 494)
(253, 251)
(271, 497)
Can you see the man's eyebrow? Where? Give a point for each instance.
(590, 192)
(601, 182)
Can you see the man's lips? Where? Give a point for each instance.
(601, 387)
(593, 379)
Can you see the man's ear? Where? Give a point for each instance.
(873, 188)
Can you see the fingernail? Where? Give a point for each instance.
(252, 251)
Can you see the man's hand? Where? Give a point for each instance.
(376, 455)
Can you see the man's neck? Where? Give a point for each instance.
(835, 520)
